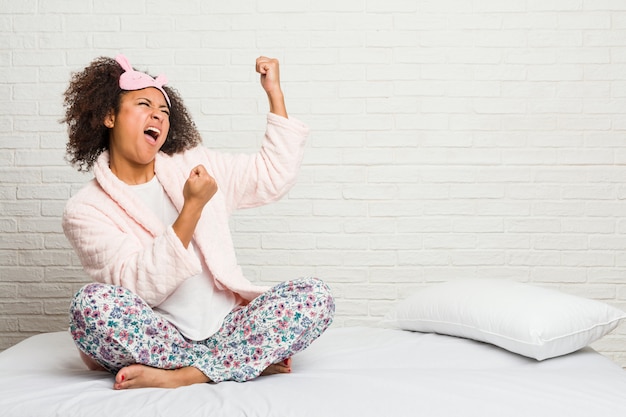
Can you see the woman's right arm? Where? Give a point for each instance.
(198, 190)
(115, 250)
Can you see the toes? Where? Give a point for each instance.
(120, 379)
(125, 376)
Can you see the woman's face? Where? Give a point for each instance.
(137, 132)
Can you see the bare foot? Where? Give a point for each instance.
(142, 376)
(283, 367)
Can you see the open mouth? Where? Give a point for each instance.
(153, 132)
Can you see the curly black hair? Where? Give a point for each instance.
(90, 97)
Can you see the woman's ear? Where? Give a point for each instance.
(109, 119)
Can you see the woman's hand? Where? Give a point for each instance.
(270, 81)
(199, 188)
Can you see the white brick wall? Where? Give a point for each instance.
(451, 139)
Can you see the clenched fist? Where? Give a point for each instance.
(270, 81)
(199, 187)
(270, 74)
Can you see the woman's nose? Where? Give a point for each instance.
(157, 114)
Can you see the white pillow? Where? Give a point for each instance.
(532, 321)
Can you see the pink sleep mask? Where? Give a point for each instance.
(132, 80)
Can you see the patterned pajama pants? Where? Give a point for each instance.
(117, 328)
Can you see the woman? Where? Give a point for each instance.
(170, 305)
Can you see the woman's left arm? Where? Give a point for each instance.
(253, 180)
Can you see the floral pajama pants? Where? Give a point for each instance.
(117, 328)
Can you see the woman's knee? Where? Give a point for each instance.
(89, 297)
(92, 291)
(83, 303)
(319, 295)
(93, 309)
(319, 288)
(93, 302)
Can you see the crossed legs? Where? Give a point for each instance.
(117, 331)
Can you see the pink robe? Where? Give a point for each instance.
(120, 241)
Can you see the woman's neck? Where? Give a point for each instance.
(133, 175)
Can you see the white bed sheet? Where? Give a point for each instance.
(347, 372)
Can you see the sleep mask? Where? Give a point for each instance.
(132, 80)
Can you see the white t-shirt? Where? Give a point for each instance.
(197, 308)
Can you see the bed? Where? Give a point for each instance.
(348, 371)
